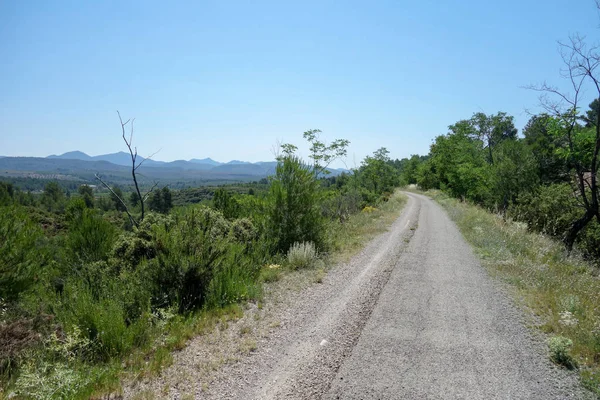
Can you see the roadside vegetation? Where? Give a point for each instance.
(530, 204)
(560, 290)
(92, 290)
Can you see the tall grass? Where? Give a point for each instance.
(561, 290)
(348, 237)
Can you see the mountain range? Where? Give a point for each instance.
(77, 165)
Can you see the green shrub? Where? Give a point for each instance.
(233, 280)
(243, 231)
(22, 252)
(559, 351)
(102, 316)
(302, 255)
(294, 213)
(189, 253)
(90, 237)
(550, 209)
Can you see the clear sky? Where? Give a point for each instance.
(228, 79)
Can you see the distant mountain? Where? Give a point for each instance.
(186, 165)
(73, 155)
(234, 162)
(116, 168)
(207, 161)
(241, 169)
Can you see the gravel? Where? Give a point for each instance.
(410, 317)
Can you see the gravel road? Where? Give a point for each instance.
(413, 316)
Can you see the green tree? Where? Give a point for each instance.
(87, 193)
(53, 197)
(225, 202)
(377, 173)
(324, 154)
(7, 193)
(117, 198)
(582, 150)
(513, 173)
(591, 116)
(493, 130)
(161, 201)
(459, 162)
(294, 214)
(545, 147)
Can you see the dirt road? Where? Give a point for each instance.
(413, 316)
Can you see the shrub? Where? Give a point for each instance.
(294, 208)
(559, 351)
(102, 315)
(302, 255)
(90, 237)
(189, 253)
(233, 280)
(243, 231)
(550, 209)
(22, 254)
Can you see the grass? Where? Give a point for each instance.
(561, 291)
(351, 236)
(151, 359)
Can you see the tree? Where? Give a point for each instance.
(492, 130)
(377, 172)
(116, 195)
(294, 212)
(324, 154)
(591, 116)
(87, 193)
(53, 196)
(161, 201)
(551, 167)
(582, 149)
(226, 203)
(134, 167)
(513, 173)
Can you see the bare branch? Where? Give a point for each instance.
(150, 191)
(133, 221)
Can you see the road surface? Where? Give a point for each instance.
(413, 316)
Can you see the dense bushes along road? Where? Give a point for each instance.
(81, 289)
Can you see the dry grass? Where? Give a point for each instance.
(561, 291)
(349, 238)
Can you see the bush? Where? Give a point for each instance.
(559, 351)
(102, 315)
(90, 237)
(22, 254)
(189, 253)
(294, 206)
(550, 209)
(302, 255)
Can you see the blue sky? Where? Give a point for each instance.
(229, 79)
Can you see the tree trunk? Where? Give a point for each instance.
(576, 227)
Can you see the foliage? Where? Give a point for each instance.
(105, 287)
(302, 255)
(161, 201)
(22, 252)
(293, 209)
(559, 351)
(90, 237)
(324, 154)
(87, 193)
(224, 201)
